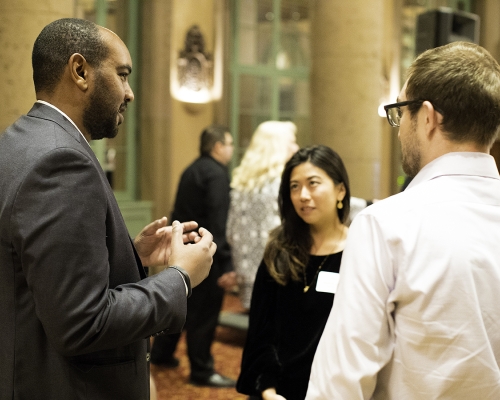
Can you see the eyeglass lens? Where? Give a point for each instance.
(394, 115)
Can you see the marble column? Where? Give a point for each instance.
(20, 23)
(489, 37)
(156, 105)
(170, 129)
(347, 88)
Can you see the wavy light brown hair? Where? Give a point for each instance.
(462, 80)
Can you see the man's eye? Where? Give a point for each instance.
(400, 113)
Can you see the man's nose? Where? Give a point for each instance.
(129, 94)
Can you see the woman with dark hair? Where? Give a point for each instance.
(296, 281)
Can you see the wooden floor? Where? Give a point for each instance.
(172, 384)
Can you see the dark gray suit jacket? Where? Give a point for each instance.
(76, 308)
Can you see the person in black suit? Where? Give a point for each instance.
(76, 307)
(203, 195)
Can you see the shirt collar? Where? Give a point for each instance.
(458, 163)
(68, 118)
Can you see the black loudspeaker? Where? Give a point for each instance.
(442, 26)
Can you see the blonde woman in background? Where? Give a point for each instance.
(253, 210)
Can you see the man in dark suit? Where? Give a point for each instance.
(203, 195)
(76, 307)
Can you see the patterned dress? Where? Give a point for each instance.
(251, 216)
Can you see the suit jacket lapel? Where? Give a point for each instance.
(40, 110)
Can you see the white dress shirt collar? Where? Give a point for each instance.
(458, 163)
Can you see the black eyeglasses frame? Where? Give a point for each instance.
(388, 107)
(401, 104)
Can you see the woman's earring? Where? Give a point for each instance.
(340, 206)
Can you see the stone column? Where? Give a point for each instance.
(188, 120)
(20, 23)
(346, 88)
(155, 105)
(170, 129)
(489, 37)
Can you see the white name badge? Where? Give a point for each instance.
(327, 282)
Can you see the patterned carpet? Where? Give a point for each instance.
(172, 384)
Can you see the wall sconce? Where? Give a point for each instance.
(196, 75)
(380, 109)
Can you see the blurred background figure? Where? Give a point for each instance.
(253, 210)
(295, 283)
(203, 196)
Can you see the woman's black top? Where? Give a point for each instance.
(284, 330)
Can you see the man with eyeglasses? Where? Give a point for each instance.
(416, 313)
(203, 196)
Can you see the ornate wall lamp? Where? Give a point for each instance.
(196, 75)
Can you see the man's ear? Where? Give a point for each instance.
(79, 70)
(431, 116)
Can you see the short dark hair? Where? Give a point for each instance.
(57, 42)
(287, 251)
(211, 135)
(463, 80)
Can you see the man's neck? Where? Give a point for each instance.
(217, 158)
(441, 145)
